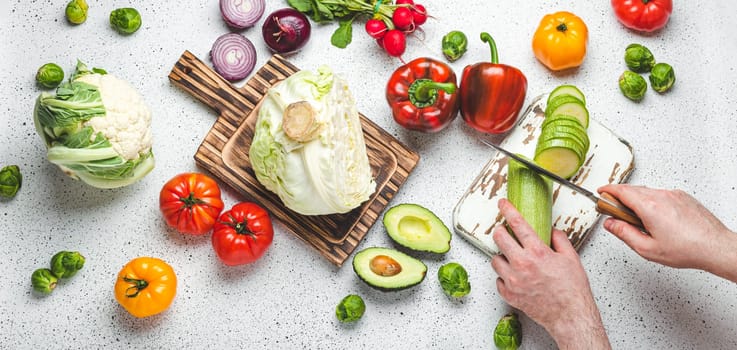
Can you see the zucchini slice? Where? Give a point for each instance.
(567, 90)
(560, 156)
(532, 195)
(565, 131)
(562, 119)
(569, 105)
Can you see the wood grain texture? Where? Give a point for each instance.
(610, 159)
(224, 153)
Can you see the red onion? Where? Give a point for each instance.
(233, 56)
(286, 30)
(242, 14)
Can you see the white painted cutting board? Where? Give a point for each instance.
(610, 159)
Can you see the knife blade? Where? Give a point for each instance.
(606, 204)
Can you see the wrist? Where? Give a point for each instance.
(723, 261)
(580, 330)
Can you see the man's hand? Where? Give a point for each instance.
(682, 233)
(549, 285)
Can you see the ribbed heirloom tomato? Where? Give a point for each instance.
(643, 15)
(191, 203)
(145, 286)
(242, 234)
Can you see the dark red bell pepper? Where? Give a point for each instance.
(423, 95)
(492, 94)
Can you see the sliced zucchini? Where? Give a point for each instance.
(567, 90)
(569, 105)
(563, 119)
(565, 131)
(561, 161)
(532, 195)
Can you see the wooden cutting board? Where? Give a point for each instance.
(610, 160)
(224, 153)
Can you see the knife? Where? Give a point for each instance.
(606, 204)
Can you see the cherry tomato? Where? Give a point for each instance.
(191, 203)
(242, 234)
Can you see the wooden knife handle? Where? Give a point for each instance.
(200, 81)
(614, 208)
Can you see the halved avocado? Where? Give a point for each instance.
(417, 228)
(388, 269)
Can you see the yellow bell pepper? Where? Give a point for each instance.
(560, 41)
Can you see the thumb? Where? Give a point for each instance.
(629, 234)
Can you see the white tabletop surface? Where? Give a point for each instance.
(682, 139)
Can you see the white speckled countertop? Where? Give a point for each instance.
(683, 139)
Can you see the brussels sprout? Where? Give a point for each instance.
(639, 58)
(350, 309)
(77, 11)
(662, 77)
(633, 86)
(50, 75)
(455, 45)
(10, 181)
(508, 333)
(454, 280)
(66, 264)
(125, 20)
(43, 281)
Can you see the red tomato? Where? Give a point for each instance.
(191, 203)
(643, 15)
(242, 234)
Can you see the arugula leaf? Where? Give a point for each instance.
(343, 35)
(303, 6)
(321, 12)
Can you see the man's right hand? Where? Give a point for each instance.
(682, 232)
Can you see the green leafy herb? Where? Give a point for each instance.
(343, 11)
(343, 35)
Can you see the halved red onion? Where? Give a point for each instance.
(233, 56)
(242, 14)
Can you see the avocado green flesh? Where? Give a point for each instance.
(417, 228)
(412, 273)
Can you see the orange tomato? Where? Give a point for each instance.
(145, 286)
(560, 41)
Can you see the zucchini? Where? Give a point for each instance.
(563, 157)
(562, 119)
(567, 90)
(532, 195)
(565, 131)
(569, 105)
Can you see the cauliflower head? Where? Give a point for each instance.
(97, 128)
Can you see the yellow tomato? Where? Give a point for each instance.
(560, 40)
(146, 286)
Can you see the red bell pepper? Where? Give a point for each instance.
(423, 95)
(492, 94)
(643, 15)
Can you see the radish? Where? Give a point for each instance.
(394, 42)
(403, 19)
(419, 14)
(376, 28)
(405, 2)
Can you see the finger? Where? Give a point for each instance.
(506, 243)
(522, 230)
(561, 244)
(629, 195)
(500, 264)
(502, 288)
(629, 234)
